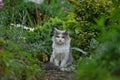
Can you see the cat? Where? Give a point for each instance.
(61, 55)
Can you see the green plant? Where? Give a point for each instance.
(104, 64)
(56, 8)
(7, 13)
(89, 69)
(2, 42)
(19, 12)
(26, 68)
(4, 18)
(17, 64)
(109, 42)
(79, 37)
(87, 10)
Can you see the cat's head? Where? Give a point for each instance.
(60, 36)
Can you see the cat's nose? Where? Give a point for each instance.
(60, 40)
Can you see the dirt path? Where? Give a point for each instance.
(53, 73)
(58, 75)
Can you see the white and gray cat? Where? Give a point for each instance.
(61, 55)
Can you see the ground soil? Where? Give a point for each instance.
(53, 73)
(58, 75)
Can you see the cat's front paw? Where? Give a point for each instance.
(51, 60)
(62, 69)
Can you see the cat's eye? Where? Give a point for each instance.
(57, 36)
(63, 37)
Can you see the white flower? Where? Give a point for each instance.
(37, 1)
(22, 26)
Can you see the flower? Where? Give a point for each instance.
(1, 3)
(67, 9)
(62, 2)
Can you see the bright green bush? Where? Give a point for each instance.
(88, 10)
(21, 12)
(109, 41)
(4, 18)
(2, 42)
(79, 37)
(19, 65)
(56, 8)
(16, 64)
(7, 12)
(105, 63)
(89, 69)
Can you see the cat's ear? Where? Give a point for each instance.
(55, 30)
(66, 32)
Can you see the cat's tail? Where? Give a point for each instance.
(80, 50)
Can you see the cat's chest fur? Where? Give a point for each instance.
(61, 49)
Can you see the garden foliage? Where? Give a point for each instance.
(17, 64)
(93, 26)
(105, 61)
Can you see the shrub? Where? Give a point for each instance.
(7, 12)
(4, 18)
(104, 64)
(16, 64)
(79, 38)
(109, 42)
(88, 10)
(25, 13)
(56, 8)
(21, 12)
(89, 69)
